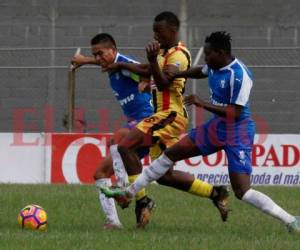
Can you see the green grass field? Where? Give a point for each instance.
(180, 221)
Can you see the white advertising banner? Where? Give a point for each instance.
(22, 158)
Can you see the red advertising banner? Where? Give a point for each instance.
(75, 157)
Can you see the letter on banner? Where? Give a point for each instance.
(69, 161)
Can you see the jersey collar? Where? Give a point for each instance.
(117, 57)
(229, 65)
(170, 50)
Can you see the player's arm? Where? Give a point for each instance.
(135, 68)
(80, 60)
(160, 78)
(231, 111)
(193, 72)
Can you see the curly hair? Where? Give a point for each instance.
(219, 40)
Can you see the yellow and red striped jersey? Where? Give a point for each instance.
(171, 98)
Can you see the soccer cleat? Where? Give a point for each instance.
(143, 209)
(220, 200)
(119, 193)
(294, 227)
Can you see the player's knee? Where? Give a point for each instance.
(166, 179)
(101, 173)
(98, 176)
(239, 193)
(110, 142)
(123, 149)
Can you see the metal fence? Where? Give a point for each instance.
(34, 89)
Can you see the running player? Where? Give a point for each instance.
(231, 129)
(170, 120)
(135, 106)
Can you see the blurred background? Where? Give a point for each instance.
(39, 37)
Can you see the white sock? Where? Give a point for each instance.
(267, 205)
(118, 165)
(108, 204)
(156, 170)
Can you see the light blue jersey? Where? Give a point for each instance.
(135, 105)
(229, 85)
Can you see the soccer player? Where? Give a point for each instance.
(170, 119)
(136, 105)
(231, 129)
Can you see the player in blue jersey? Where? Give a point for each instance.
(231, 129)
(136, 105)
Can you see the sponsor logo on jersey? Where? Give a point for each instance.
(242, 156)
(222, 84)
(126, 100)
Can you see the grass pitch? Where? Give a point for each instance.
(180, 221)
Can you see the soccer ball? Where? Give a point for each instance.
(33, 217)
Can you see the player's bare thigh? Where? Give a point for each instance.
(105, 168)
(185, 148)
(135, 139)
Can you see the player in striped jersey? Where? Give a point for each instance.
(170, 121)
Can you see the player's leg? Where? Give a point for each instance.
(185, 181)
(239, 172)
(118, 166)
(159, 167)
(161, 170)
(142, 135)
(188, 183)
(130, 155)
(129, 152)
(102, 178)
(185, 148)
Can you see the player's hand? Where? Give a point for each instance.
(144, 86)
(193, 99)
(152, 50)
(171, 71)
(78, 61)
(114, 67)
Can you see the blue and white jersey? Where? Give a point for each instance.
(230, 85)
(135, 105)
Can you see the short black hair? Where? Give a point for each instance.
(169, 17)
(219, 40)
(103, 38)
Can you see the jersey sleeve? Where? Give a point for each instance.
(178, 59)
(131, 75)
(128, 73)
(240, 88)
(204, 70)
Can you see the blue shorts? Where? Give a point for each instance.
(143, 151)
(235, 138)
